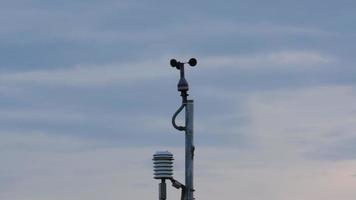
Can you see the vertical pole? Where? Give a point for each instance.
(189, 149)
(162, 190)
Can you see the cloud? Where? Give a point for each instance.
(55, 167)
(271, 60)
(150, 70)
(73, 168)
(45, 166)
(295, 180)
(89, 75)
(38, 141)
(289, 123)
(259, 29)
(40, 115)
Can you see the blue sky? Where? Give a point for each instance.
(87, 95)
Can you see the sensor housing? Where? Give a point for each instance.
(163, 165)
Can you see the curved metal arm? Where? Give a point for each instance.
(178, 185)
(180, 128)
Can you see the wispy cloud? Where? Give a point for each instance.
(271, 60)
(40, 115)
(148, 70)
(301, 121)
(89, 75)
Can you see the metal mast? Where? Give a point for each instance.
(183, 88)
(163, 160)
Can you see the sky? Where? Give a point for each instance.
(87, 96)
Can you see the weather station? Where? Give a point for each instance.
(163, 160)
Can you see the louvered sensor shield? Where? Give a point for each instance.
(163, 165)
